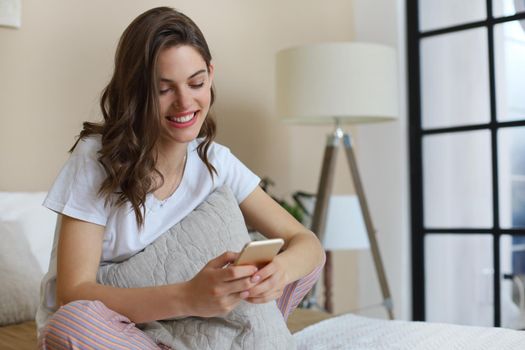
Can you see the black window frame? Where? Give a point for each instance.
(416, 134)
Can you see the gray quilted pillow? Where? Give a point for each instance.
(217, 225)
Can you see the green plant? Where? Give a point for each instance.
(293, 208)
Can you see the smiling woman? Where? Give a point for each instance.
(174, 54)
(133, 178)
(185, 93)
(185, 82)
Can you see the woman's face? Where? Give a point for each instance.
(184, 93)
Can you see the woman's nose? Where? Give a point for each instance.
(182, 100)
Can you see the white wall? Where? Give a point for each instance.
(53, 68)
(55, 65)
(383, 162)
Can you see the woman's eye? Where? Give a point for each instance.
(164, 91)
(196, 86)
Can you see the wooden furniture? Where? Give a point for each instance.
(18, 337)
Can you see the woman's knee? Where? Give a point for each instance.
(74, 325)
(85, 324)
(62, 329)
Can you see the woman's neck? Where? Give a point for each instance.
(171, 158)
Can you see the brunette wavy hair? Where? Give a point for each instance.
(130, 107)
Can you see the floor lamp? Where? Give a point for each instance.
(345, 229)
(338, 83)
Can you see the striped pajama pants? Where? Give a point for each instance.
(85, 324)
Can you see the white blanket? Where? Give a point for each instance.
(360, 333)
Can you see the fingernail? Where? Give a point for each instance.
(244, 294)
(256, 278)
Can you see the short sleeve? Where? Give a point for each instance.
(75, 191)
(241, 180)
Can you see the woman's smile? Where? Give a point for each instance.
(183, 120)
(184, 92)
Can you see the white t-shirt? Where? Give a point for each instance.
(75, 194)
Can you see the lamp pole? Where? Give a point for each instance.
(321, 209)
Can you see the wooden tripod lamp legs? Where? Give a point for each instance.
(320, 211)
(321, 205)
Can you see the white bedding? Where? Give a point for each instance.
(356, 332)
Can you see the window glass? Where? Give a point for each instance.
(455, 79)
(509, 57)
(507, 7)
(459, 277)
(511, 177)
(512, 263)
(446, 13)
(457, 181)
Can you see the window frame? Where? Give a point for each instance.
(416, 135)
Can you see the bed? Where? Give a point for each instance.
(27, 230)
(316, 330)
(355, 332)
(23, 336)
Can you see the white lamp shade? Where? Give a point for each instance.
(354, 82)
(345, 227)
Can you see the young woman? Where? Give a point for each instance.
(139, 172)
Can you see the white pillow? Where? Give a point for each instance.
(34, 221)
(20, 276)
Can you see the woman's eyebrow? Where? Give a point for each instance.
(197, 73)
(166, 80)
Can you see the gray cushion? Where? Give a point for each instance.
(214, 227)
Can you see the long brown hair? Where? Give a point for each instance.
(130, 107)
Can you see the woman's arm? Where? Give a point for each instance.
(213, 291)
(302, 251)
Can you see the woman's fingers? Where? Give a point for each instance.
(222, 260)
(219, 287)
(232, 273)
(264, 273)
(264, 287)
(270, 282)
(235, 287)
(264, 298)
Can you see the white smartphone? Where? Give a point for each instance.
(259, 253)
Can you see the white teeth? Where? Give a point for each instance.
(184, 119)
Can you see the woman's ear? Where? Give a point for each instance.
(211, 69)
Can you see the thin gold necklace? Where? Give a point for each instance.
(177, 182)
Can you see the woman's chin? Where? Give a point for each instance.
(180, 137)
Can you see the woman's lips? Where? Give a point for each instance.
(183, 120)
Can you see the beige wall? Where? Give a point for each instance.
(53, 68)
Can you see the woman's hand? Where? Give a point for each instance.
(270, 280)
(218, 288)
(302, 251)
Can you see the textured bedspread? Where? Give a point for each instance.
(214, 227)
(359, 333)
